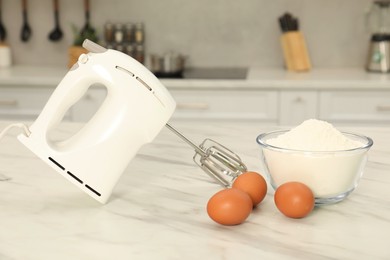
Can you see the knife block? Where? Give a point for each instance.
(295, 52)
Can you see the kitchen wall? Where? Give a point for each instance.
(212, 33)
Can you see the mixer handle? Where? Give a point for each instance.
(69, 91)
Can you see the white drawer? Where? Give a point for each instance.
(23, 103)
(226, 104)
(297, 106)
(355, 106)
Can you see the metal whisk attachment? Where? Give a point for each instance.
(215, 159)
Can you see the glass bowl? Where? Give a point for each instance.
(331, 175)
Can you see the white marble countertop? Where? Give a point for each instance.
(257, 78)
(263, 78)
(157, 210)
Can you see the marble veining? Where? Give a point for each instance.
(157, 210)
(3, 177)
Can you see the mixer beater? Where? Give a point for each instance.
(215, 159)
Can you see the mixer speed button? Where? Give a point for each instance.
(83, 58)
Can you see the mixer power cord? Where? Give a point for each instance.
(19, 125)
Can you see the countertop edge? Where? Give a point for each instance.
(257, 78)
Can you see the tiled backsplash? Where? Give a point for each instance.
(212, 33)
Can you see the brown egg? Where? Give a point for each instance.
(294, 199)
(252, 183)
(229, 206)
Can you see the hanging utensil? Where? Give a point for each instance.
(26, 30)
(57, 33)
(215, 159)
(3, 32)
(87, 30)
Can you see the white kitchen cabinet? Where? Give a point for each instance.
(350, 107)
(87, 106)
(297, 106)
(25, 104)
(17, 103)
(284, 107)
(261, 106)
(274, 97)
(255, 105)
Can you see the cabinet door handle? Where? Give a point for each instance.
(193, 106)
(299, 100)
(12, 102)
(383, 108)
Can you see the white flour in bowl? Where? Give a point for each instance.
(318, 155)
(314, 135)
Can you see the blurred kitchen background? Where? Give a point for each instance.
(211, 33)
(237, 52)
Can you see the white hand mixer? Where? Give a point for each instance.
(136, 108)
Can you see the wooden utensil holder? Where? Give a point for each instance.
(295, 52)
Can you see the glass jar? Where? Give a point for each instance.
(118, 35)
(109, 32)
(129, 33)
(139, 34)
(139, 53)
